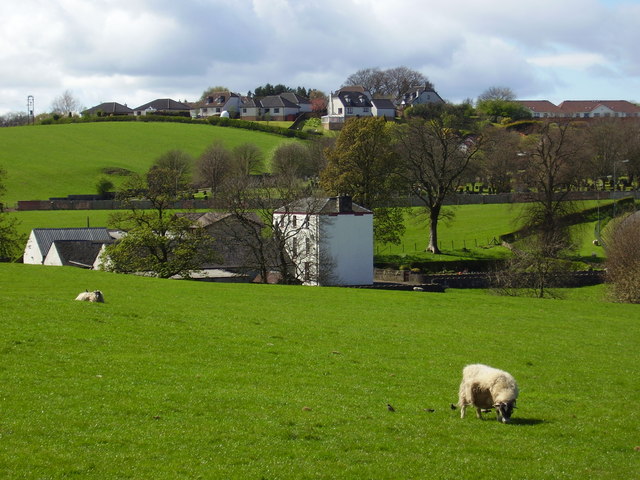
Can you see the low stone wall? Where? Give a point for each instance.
(476, 280)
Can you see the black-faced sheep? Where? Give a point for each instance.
(486, 387)
(88, 296)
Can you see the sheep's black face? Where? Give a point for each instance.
(504, 411)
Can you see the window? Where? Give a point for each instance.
(307, 246)
(217, 109)
(294, 247)
(365, 109)
(349, 110)
(244, 110)
(339, 111)
(276, 110)
(294, 221)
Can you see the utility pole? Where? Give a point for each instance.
(30, 110)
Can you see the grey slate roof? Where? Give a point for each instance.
(113, 108)
(354, 99)
(383, 103)
(295, 98)
(165, 104)
(277, 101)
(323, 206)
(46, 236)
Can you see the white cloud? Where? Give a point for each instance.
(136, 50)
(579, 60)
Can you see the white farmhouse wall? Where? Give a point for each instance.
(330, 249)
(53, 257)
(32, 253)
(347, 239)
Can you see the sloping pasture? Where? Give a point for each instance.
(45, 161)
(175, 379)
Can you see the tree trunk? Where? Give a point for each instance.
(434, 213)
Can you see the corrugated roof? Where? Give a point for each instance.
(46, 236)
(77, 253)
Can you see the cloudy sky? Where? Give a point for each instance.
(134, 51)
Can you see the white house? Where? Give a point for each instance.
(216, 104)
(329, 240)
(383, 107)
(65, 246)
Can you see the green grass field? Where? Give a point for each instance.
(175, 379)
(57, 160)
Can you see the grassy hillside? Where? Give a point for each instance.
(57, 160)
(173, 379)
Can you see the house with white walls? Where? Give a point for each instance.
(216, 104)
(329, 240)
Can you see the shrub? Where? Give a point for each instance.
(622, 244)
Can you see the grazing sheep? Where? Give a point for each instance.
(91, 296)
(486, 387)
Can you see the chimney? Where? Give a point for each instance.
(345, 204)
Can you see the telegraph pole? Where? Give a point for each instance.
(30, 111)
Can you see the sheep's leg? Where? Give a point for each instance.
(463, 409)
(479, 412)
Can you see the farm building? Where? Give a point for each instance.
(329, 240)
(78, 247)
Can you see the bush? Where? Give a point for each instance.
(622, 244)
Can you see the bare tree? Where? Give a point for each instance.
(434, 157)
(530, 270)
(497, 93)
(293, 160)
(498, 159)
(372, 79)
(66, 104)
(252, 201)
(248, 159)
(551, 163)
(609, 141)
(214, 166)
(392, 82)
(399, 80)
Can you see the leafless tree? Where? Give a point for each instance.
(434, 157)
(530, 271)
(498, 158)
(248, 159)
(609, 141)
(252, 201)
(66, 104)
(214, 166)
(392, 82)
(551, 163)
(497, 93)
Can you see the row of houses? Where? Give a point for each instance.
(348, 102)
(582, 109)
(286, 106)
(329, 241)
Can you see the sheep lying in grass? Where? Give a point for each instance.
(88, 296)
(486, 387)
